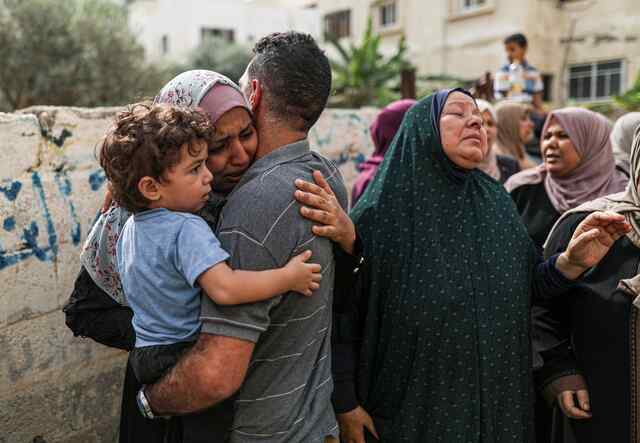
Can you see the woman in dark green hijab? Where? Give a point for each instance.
(431, 336)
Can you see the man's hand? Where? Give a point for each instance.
(590, 242)
(323, 208)
(567, 404)
(353, 424)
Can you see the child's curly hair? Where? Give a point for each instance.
(146, 140)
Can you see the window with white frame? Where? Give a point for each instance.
(338, 24)
(388, 13)
(470, 5)
(595, 81)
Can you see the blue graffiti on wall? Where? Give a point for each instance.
(11, 190)
(30, 234)
(64, 185)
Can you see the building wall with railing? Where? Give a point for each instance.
(463, 38)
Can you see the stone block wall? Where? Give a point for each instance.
(54, 385)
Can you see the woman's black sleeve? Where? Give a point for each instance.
(348, 314)
(551, 324)
(90, 312)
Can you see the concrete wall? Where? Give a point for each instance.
(62, 388)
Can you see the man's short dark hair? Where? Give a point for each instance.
(296, 75)
(147, 140)
(519, 39)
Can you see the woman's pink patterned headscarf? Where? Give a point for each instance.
(212, 92)
(595, 176)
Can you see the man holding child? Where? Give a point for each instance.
(275, 353)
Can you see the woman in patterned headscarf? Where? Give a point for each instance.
(219, 97)
(592, 349)
(431, 334)
(97, 307)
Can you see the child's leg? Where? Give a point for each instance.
(151, 362)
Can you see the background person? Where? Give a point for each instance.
(498, 167)
(591, 367)
(622, 139)
(382, 129)
(517, 80)
(515, 128)
(578, 166)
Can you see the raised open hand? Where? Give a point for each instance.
(591, 241)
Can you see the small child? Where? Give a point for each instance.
(154, 158)
(518, 80)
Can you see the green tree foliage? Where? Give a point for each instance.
(630, 100)
(221, 56)
(363, 76)
(71, 52)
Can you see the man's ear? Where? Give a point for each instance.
(150, 188)
(256, 94)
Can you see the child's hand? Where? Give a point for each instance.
(305, 277)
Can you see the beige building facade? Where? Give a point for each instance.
(169, 30)
(587, 50)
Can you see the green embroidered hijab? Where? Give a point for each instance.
(446, 350)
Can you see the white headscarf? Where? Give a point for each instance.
(490, 163)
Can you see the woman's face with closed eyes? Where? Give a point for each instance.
(463, 136)
(232, 149)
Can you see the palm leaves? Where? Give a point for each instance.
(363, 76)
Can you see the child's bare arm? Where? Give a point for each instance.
(227, 286)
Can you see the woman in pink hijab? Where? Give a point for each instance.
(578, 166)
(383, 129)
(98, 308)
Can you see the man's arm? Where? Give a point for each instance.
(211, 371)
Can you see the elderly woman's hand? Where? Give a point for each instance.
(577, 411)
(322, 206)
(590, 242)
(571, 394)
(353, 425)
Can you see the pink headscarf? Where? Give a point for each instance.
(595, 176)
(212, 92)
(382, 130)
